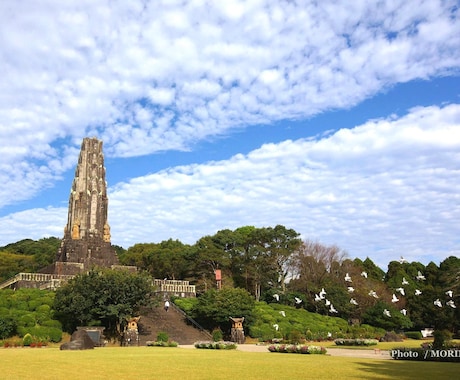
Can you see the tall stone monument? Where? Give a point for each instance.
(86, 241)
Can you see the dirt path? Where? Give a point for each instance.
(368, 354)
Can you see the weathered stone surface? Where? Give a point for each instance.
(79, 340)
(86, 241)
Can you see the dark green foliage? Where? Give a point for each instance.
(374, 316)
(217, 335)
(168, 259)
(214, 308)
(442, 339)
(413, 335)
(102, 297)
(7, 327)
(162, 337)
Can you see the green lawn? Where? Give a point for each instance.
(185, 364)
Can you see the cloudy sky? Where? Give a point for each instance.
(339, 121)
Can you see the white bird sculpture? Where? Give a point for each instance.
(276, 326)
(394, 298)
(373, 294)
(327, 302)
(283, 313)
(332, 309)
(402, 291)
(403, 311)
(450, 293)
(418, 292)
(404, 281)
(420, 276)
(451, 304)
(364, 274)
(437, 303)
(297, 300)
(348, 278)
(317, 298)
(386, 313)
(276, 297)
(351, 289)
(353, 301)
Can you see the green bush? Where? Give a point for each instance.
(413, 335)
(27, 340)
(162, 337)
(7, 327)
(45, 334)
(217, 335)
(295, 337)
(161, 344)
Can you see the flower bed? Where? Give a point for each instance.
(216, 345)
(356, 342)
(296, 349)
(161, 344)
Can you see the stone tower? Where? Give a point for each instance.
(86, 241)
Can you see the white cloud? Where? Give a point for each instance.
(383, 189)
(157, 76)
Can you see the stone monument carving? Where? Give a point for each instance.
(86, 241)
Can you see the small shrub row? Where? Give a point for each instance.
(296, 349)
(356, 342)
(222, 345)
(161, 344)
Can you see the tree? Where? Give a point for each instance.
(375, 316)
(214, 307)
(102, 297)
(166, 259)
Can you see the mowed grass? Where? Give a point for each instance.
(191, 364)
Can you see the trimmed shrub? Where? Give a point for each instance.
(222, 345)
(413, 335)
(162, 337)
(27, 340)
(161, 344)
(217, 335)
(45, 334)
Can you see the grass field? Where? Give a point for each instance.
(191, 364)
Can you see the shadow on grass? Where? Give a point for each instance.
(408, 370)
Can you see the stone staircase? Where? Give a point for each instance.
(172, 322)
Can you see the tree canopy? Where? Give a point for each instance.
(102, 297)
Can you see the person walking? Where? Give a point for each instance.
(166, 305)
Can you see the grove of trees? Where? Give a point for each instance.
(274, 265)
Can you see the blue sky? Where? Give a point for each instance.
(341, 122)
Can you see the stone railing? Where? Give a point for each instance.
(42, 280)
(175, 287)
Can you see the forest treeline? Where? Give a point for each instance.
(276, 266)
